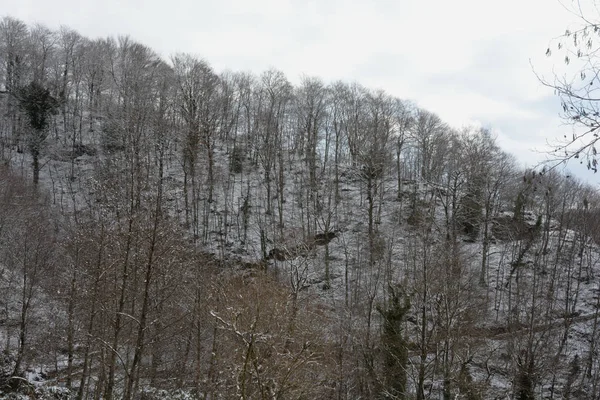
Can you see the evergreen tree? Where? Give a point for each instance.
(38, 104)
(395, 344)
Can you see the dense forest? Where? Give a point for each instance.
(168, 231)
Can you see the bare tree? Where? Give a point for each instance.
(577, 86)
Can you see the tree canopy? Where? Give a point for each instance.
(38, 104)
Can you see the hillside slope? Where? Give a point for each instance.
(204, 235)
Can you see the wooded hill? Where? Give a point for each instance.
(170, 231)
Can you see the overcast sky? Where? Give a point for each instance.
(466, 60)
